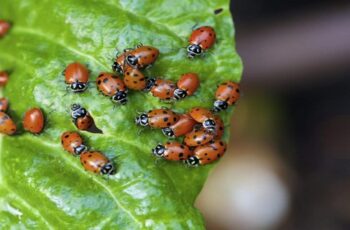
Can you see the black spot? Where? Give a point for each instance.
(101, 74)
(136, 75)
(84, 162)
(210, 34)
(66, 136)
(127, 73)
(90, 155)
(175, 118)
(237, 90)
(135, 82)
(168, 98)
(197, 109)
(199, 142)
(98, 82)
(165, 119)
(204, 138)
(165, 112)
(149, 48)
(208, 159)
(181, 154)
(168, 124)
(221, 128)
(218, 155)
(194, 136)
(105, 80)
(153, 55)
(221, 143)
(206, 154)
(62, 142)
(182, 146)
(218, 11)
(142, 79)
(201, 30)
(168, 93)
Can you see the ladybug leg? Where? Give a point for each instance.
(194, 26)
(139, 45)
(159, 162)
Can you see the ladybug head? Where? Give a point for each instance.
(149, 84)
(159, 150)
(132, 60)
(142, 120)
(79, 150)
(108, 169)
(179, 94)
(220, 105)
(78, 111)
(78, 87)
(120, 97)
(117, 68)
(193, 50)
(192, 161)
(168, 132)
(209, 125)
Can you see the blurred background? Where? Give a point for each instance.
(288, 165)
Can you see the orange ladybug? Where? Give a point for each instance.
(77, 77)
(33, 120)
(7, 126)
(172, 151)
(157, 118)
(4, 104)
(208, 153)
(203, 116)
(219, 127)
(186, 85)
(73, 143)
(184, 125)
(96, 162)
(226, 94)
(163, 89)
(134, 79)
(119, 64)
(198, 136)
(113, 87)
(201, 40)
(142, 56)
(4, 77)
(81, 117)
(4, 27)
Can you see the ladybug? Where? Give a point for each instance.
(4, 27)
(4, 77)
(219, 127)
(119, 64)
(96, 162)
(112, 86)
(208, 153)
(198, 136)
(184, 125)
(77, 77)
(157, 118)
(226, 94)
(33, 121)
(7, 126)
(72, 142)
(201, 40)
(4, 104)
(134, 79)
(172, 151)
(203, 116)
(186, 85)
(142, 57)
(81, 117)
(163, 89)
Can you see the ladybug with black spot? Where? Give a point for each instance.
(184, 125)
(142, 56)
(226, 94)
(157, 118)
(208, 153)
(163, 89)
(119, 64)
(81, 117)
(77, 77)
(172, 151)
(7, 126)
(198, 136)
(97, 162)
(186, 85)
(73, 143)
(134, 79)
(201, 40)
(112, 86)
(203, 116)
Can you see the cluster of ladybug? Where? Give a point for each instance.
(202, 128)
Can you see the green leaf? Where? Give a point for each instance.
(43, 187)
